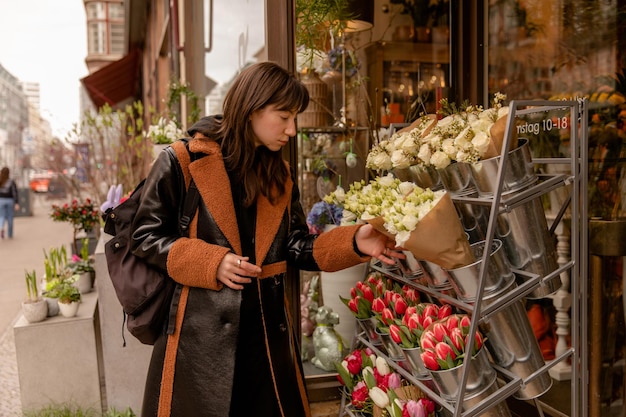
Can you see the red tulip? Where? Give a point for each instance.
(430, 311)
(444, 311)
(395, 333)
(378, 305)
(353, 292)
(411, 294)
(400, 306)
(479, 342)
(368, 294)
(430, 360)
(439, 331)
(456, 336)
(388, 296)
(465, 322)
(427, 341)
(412, 322)
(427, 321)
(354, 363)
(387, 316)
(410, 310)
(452, 322)
(443, 350)
(353, 304)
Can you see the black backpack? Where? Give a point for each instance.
(147, 295)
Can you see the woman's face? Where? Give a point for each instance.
(272, 127)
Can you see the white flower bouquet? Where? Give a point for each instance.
(415, 217)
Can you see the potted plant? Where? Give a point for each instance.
(83, 216)
(67, 294)
(35, 308)
(55, 266)
(81, 266)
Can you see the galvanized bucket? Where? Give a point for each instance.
(510, 339)
(519, 172)
(466, 280)
(409, 266)
(457, 179)
(394, 351)
(368, 326)
(414, 361)
(425, 177)
(528, 244)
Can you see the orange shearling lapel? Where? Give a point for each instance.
(213, 184)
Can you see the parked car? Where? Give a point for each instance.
(40, 183)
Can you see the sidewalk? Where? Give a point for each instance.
(32, 234)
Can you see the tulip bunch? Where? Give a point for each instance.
(365, 377)
(393, 305)
(363, 294)
(443, 342)
(406, 401)
(407, 331)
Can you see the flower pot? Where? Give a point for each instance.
(53, 306)
(69, 309)
(339, 283)
(84, 282)
(35, 311)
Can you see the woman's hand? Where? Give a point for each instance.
(377, 245)
(235, 270)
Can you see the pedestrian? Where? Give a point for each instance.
(9, 202)
(234, 350)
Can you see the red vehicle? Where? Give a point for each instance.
(40, 183)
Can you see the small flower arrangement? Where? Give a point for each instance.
(81, 263)
(412, 403)
(82, 215)
(407, 331)
(443, 343)
(164, 131)
(400, 204)
(366, 376)
(364, 294)
(323, 214)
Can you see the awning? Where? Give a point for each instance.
(115, 82)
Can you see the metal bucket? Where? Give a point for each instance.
(457, 179)
(481, 376)
(528, 244)
(415, 364)
(466, 280)
(394, 351)
(435, 276)
(519, 172)
(368, 326)
(425, 177)
(500, 409)
(510, 339)
(474, 218)
(409, 266)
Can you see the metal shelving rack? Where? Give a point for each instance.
(577, 266)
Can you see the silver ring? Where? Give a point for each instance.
(238, 263)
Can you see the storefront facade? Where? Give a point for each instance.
(399, 65)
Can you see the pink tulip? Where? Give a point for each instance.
(415, 409)
(430, 360)
(394, 381)
(443, 350)
(378, 305)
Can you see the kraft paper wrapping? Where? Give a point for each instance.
(406, 392)
(498, 132)
(438, 238)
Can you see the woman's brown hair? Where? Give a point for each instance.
(256, 87)
(4, 175)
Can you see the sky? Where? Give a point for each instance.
(45, 41)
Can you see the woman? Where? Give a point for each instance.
(233, 351)
(9, 202)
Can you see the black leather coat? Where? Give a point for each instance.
(192, 371)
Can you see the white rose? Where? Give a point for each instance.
(402, 237)
(409, 222)
(399, 159)
(440, 160)
(406, 188)
(481, 142)
(340, 194)
(347, 217)
(424, 154)
(449, 147)
(446, 121)
(503, 111)
(387, 180)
